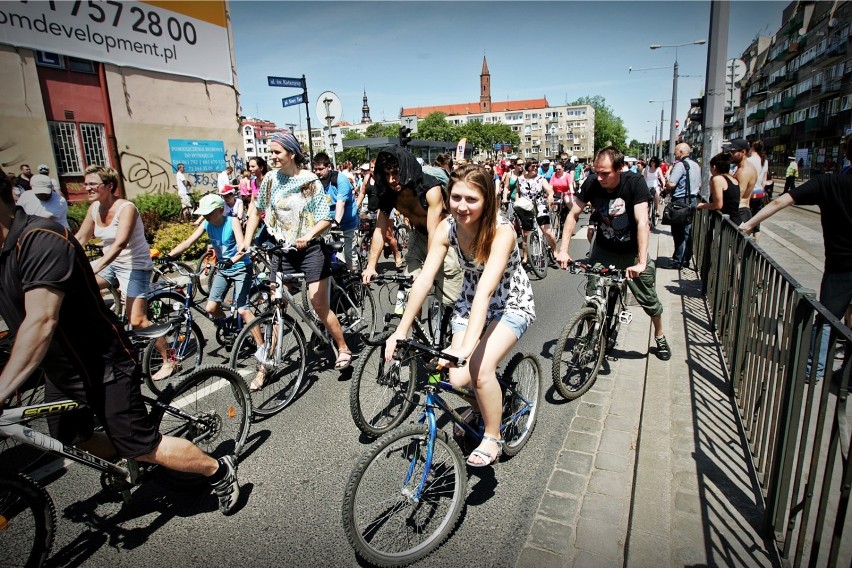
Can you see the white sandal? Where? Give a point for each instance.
(487, 458)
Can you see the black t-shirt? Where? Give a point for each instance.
(386, 201)
(39, 252)
(617, 227)
(23, 183)
(833, 194)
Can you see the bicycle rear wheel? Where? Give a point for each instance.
(27, 522)
(521, 401)
(381, 395)
(536, 254)
(382, 519)
(285, 367)
(204, 272)
(578, 354)
(211, 408)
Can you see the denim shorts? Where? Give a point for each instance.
(241, 278)
(516, 322)
(133, 283)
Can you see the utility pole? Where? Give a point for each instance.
(714, 98)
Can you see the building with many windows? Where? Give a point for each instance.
(797, 91)
(256, 132)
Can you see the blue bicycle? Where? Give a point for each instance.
(407, 491)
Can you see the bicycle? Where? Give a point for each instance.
(539, 253)
(379, 400)
(406, 493)
(210, 408)
(286, 345)
(592, 331)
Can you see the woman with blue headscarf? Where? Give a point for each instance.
(297, 213)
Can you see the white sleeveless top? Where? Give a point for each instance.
(137, 254)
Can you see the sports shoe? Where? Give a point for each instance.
(663, 351)
(227, 489)
(261, 354)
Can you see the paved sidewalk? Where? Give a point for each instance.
(654, 470)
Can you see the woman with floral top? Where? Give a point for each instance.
(496, 303)
(297, 214)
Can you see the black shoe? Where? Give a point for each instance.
(227, 489)
(664, 353)
(676, 265)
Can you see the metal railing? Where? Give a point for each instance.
(797, 426)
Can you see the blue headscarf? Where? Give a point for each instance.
(289, 143)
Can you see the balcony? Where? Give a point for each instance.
(830, 87)
(759, 114)
(787, 103)
(834, 51)
(785, 130)
(812, 124)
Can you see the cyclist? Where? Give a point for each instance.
(297, 213)
(654, 180)
(495, 306)
(401, 184)
(226, 236)
(537, 189)
(563, 190)
(126, 262)
(47, 290)
(621, 200)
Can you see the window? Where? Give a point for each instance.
(813, 111)
(248, 130)
(58, 61)
(833, 106)
(66, 148)
(94, 143)
(846, 103)
(800, 115)
(81, 65)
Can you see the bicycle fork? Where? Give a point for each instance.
(413, 495)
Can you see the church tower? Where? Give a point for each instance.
(485, 88)
(365, 110)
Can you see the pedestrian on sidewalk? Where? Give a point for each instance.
(746, 175)
(621, 200)
(833, 194)
(791, 174)
(685, 184)
(757, 158)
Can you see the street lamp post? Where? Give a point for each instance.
(660, 154)
(672, 133)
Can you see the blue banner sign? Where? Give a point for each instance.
(198, 156)
(285, 82)
(294, 100)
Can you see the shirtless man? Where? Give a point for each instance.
(746, 176)
(401, 184)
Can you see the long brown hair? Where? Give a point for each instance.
(477, 177)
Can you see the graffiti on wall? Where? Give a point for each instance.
(156, 174)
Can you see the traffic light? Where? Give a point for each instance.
(404, 136)
(696, 111)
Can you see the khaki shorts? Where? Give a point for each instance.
(449, 280)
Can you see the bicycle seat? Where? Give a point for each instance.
(151, 332)
(335, 246)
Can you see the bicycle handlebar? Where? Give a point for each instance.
(392, 279)
(577, 267)
(422, 348)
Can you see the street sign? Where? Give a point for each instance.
(285, 82)
(294, 100)
(736, 69)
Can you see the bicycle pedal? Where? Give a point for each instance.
(625, 317)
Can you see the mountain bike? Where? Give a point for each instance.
(539, 253)
(380, 395)
(592, 331)
(407, 491)
(210, 407)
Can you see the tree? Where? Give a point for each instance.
(378, 130)
(436, 127)
(609, 129)
(355, 155)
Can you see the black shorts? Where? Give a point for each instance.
(118, 406)
(527, 223)
(314, 261)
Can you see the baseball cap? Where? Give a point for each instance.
(736, 145)
(228, 189)
(545, 162)
(209, 203)
(365, 166)
(788, 157)
(40, 184)
(43, 168)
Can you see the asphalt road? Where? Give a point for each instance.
(293, 476)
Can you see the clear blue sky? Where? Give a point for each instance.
(430, 53)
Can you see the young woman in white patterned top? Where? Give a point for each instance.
(496, 302)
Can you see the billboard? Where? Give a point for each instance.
(184, 38)
(198, 156)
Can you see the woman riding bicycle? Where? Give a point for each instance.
(496, 303)
(126, 262)
(297, 214)
(538, 190)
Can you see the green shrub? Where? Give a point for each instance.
(165, 205)
(172, 234)
(77, 210)
(151, 222)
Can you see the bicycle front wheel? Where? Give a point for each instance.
(578, 354)
(184, 346)
(386, 519)
(204, 272)
(381, 394)
(211, 408)
(284, 363)
(536, 254)
(521, 401)
(27, 522)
